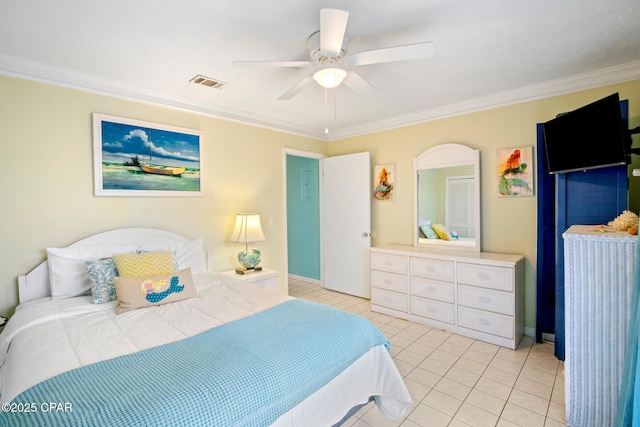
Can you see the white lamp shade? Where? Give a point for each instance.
(329, 77)
(247, 229)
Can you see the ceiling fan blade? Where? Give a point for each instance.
(333, 25)
(297, 64)
(358, 83)
(297, 88)
(391, 54)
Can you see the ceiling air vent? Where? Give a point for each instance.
(207, 81)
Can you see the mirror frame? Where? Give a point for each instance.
(442, 156)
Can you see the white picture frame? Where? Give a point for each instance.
(134, 158)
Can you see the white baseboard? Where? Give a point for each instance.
(304, 279)
(545, 337)
(549, 337)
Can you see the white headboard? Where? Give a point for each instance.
(35, 284)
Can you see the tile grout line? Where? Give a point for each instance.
(397, 329)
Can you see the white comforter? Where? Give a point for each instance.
(47, 337)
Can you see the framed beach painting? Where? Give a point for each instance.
(514, 172)
(136, 158)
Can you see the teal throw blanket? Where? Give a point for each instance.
(244, 373)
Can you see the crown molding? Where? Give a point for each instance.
(30, 70)
(576, 83)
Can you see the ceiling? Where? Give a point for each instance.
(487, 53)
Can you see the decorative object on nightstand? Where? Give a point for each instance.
(247, 230)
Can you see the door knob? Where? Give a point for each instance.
(365, 234)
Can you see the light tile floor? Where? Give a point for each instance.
(457, 381)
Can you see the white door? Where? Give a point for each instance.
(459, 205)
(346, 223)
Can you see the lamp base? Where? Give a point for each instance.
(249, 258)
(245, 270)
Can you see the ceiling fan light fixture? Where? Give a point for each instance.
(330, 77)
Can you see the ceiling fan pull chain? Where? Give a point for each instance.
(326, 111)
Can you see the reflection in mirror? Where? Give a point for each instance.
(447, 197)
(451, 203)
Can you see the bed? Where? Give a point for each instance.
(230, 354)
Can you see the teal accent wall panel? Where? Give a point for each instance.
(303, 216)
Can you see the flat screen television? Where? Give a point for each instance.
(590, 137)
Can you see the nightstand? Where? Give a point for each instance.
(266, 279)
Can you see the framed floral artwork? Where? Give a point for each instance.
(514, 172)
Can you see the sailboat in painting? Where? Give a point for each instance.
(160, 169)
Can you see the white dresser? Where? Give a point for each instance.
(476, 294)
(599, 269)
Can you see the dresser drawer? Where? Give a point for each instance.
(433, 289)
(484, 321)
(486, 276)
(431, 269)
(486, 299)
(389, 299)
(390, 281)
(431, 309)
(390, 263)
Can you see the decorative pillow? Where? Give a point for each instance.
(68, 276)
(141, 292)
(428, 231)
(441, 231)
(101, 274)
(176, 267)
(143, 265)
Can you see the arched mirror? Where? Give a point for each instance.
(447, 202)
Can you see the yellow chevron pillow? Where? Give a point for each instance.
(142, 265)
(441, 231)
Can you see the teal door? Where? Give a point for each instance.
(303, 216)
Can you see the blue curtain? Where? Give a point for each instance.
(629, 400)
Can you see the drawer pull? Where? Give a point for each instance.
(388, 262)
(387, 299)
(483, 276)
(430, 309)
(484, 322)
(431, 269)
(388, 282)
(484, 299)
(430, 289)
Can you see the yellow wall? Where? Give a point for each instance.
(46, 186)
(508, 225)
(46, 189)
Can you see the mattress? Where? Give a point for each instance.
(47, 337)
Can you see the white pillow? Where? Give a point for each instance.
(188, 254)
(67, 273)
(192, 254)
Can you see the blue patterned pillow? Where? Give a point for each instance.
(427, 230)
(101, 274)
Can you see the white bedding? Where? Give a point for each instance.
(47, 337)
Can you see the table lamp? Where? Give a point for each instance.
(246, 230)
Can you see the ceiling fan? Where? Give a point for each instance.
(328, 52)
